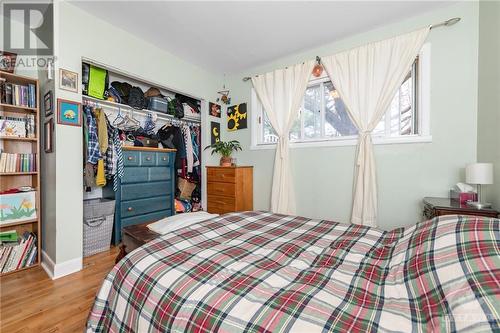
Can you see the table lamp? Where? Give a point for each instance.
(479, 174)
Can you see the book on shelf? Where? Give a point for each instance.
(17, 162)
(8, 236)
(21, 127)
(19, 254)
(18, 94)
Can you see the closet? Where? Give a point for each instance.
(149, 162)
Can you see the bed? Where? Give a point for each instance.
(264, 272)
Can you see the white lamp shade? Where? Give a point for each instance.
(479, 173)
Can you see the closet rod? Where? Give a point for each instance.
(446, 23)
(105, 104)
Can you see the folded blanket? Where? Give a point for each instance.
(175, 222)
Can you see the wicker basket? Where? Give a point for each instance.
(98, 216)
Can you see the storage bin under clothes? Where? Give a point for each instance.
(98, 217)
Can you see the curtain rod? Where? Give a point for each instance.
(446, 23)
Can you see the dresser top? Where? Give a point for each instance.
(153, 149)
(229, 167)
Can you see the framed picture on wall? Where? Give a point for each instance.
(69, 113)
(214, 109)
(237, 117)
(68, 80)
(47, 103)
(214, 132)
(7, 61)
(48, 131)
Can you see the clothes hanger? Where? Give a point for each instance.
(131, 124)
(120, 118)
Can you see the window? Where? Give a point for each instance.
(323, 117)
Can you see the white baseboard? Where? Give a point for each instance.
(55, 271)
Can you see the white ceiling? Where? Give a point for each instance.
(230, 37)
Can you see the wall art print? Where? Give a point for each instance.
(237, 117)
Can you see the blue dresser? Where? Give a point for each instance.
(146, 192)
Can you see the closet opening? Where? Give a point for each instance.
(142, 147)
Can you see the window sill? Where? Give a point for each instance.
(349, 142)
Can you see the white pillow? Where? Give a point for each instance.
(178, 221)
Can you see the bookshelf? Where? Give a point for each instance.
(23, 145)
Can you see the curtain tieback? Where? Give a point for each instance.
(363, 137)
(283, 142)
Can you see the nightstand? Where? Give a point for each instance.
(445, 206)
(229, 189)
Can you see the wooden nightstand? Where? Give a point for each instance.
(444, 206)
(229, 189)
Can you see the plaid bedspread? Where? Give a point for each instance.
(262, 272)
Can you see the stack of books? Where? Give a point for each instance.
(13, 162)
(16, 94)
(17, 253)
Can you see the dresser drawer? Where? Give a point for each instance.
(164, 159)
(148, 158)
(144, 206)
(145, 190)
(226, 175)
(151, 217)
(159, 173)
(224, 189)
(220, 205)
(135, 175)
(131, 158)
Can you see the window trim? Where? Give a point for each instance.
(423, 88)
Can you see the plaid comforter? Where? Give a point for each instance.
(263, 272)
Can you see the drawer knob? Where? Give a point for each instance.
(130, 209)
(164, 158)
(130, 158)
(148, 158)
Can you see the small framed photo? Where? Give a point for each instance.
(48, 131)
(68, 80)
(47, 103)
(214, 109)
(7, 61)
(69, 113)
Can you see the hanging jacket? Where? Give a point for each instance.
(171, 137)
(102, 130)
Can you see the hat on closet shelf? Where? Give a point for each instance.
(153, 92)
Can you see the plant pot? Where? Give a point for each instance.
(225, 161)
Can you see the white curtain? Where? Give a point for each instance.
(367, 79)
(281, 93)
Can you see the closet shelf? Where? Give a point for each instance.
(144, 112)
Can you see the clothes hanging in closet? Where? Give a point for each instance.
(104, 157)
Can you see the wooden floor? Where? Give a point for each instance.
(32, 302)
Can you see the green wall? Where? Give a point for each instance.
(406, 172)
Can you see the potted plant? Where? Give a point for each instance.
(225, 149)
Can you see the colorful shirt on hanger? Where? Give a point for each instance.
(93, 152)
